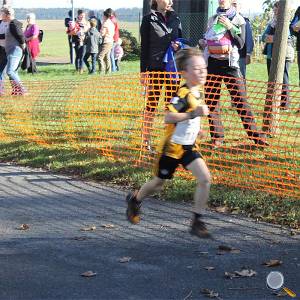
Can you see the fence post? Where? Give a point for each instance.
(274, 91)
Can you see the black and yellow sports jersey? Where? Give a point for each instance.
(182, 135)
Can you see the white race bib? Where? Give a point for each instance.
(186, 132)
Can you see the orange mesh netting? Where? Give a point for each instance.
(117, 117)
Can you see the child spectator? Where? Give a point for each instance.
(92, 41)
(179, 144)
(118, 53)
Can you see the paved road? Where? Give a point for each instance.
(45, 261)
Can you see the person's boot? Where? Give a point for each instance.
(133, 211)
(199, 229)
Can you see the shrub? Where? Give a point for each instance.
(130, 45)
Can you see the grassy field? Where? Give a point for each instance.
(55, 43)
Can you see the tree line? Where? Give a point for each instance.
(124, 14)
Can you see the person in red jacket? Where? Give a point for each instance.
(116, 38)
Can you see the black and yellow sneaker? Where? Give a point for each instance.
(133, 211)
(199, 229)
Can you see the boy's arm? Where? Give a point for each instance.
(175, 117)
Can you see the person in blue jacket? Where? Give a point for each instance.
(268, 37)
(295, 30)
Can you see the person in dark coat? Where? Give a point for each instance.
(295, 30)
(70, 42)
(159, 29)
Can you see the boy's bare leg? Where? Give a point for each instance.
(149, 188)
(201, 172)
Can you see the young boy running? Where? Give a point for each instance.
(179, 146)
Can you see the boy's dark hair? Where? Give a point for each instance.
(70, 13)
(153, 4)
(183, 55)
(79, 12)
(276, 4)
(93, 22)
(108, 13)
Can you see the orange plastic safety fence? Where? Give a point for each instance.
(123, 120)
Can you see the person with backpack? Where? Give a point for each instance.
(223, 39)
(32, 41)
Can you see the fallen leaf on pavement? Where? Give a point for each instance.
(108, 226)
(23, 227)
(222, 209)
(80, 238)
(88, 274)
(224, 248)
(209, 268)
(125, 259)
(273, 263)
(230, 275)
(210, 293)
(91, 228)
(245, 273)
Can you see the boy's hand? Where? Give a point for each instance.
(143, 78)
(175, 46)
(201, 110)
(269, 39)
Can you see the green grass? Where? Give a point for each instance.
(91, 165)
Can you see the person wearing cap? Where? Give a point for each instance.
(14, 48)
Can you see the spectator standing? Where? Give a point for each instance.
(159, 29)
(107, 33)
(119, 52)
(268, 38)
(78, 30)
(224, 37)
(93, 15)
(246, 52)
(3, 60)
(116, 38)
(14, 47)
(70, 39)
(295, 30)
(32, 40)
(92, 41)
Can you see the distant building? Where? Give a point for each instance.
(193, 14)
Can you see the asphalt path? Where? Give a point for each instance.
(157, 259)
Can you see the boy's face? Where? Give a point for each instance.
(196, 71)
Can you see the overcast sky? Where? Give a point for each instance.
(252, 5)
